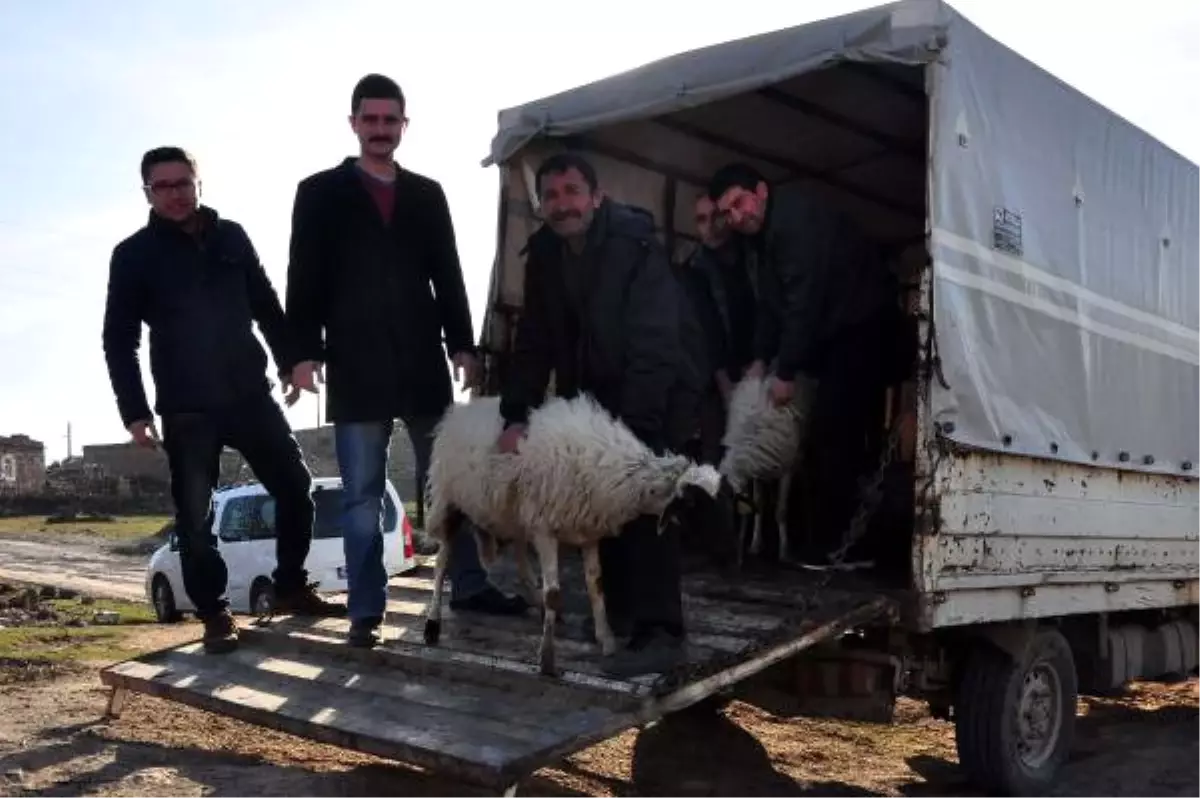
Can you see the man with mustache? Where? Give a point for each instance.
(369, 241)
(602, 311)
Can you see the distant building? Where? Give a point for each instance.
(320, 455)
(127, 460)
(22, 465)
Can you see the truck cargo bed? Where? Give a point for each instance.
(475, 707)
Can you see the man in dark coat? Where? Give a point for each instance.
(725, 295)
(196, 281)
(828, 308)
(369, 241)
(602, 311)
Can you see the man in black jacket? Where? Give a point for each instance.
(369, 239)
(196, 281)
(829, 309)
(601, 310)
(724, 291)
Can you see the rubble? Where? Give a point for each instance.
(31, 606)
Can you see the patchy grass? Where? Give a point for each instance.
(127, 527)
(31, 652)
(131, 612)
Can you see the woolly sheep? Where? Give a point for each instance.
(579, 476)
(762, 442)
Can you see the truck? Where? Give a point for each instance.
(1034, 522)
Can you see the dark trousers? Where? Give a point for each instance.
(193, 442)
(845, 431)
(641, 569)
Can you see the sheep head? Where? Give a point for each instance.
(704, 503)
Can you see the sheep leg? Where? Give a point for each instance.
(487, 549)
(756, 536)
(524, 574)
(781, 511)
(547, 551)
(433, 616)
(595, 589)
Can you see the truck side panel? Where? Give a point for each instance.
(1018, 538)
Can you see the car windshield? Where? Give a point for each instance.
(253, 517)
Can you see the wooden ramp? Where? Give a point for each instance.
(475, 707)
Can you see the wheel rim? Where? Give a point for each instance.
(1039, 715)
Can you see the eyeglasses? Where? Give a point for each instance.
(162, 188)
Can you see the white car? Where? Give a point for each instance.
(244, 525)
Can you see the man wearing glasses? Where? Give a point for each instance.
(374, 284)
(196, 281)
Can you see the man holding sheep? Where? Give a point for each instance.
(828, 308)
(602, 311)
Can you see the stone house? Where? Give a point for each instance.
(22, 465)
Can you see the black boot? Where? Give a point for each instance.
(363, 633)
(304, 601)
(220, 633)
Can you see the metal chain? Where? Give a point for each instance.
(870, 494)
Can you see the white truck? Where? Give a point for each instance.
(1037, 533)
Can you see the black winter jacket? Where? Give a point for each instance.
(372, 301)
(820, 275)
(627, 353)
(199, 295)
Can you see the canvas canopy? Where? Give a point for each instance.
(1064, 241)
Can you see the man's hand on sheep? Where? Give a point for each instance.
(782, 391)
(510, 439)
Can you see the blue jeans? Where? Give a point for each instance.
(362, 453)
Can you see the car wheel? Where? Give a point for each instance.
(164, 601)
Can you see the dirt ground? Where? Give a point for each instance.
(55, 741)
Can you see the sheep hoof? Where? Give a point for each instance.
(608, 647)
(547, 664)
(433, 631)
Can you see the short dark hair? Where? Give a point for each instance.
(559, 163)
(375, 87)
(741, 175)
(158, 155)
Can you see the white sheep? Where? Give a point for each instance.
(579, 476)
(762, 442)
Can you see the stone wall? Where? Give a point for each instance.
(321, 457)
(22, 465)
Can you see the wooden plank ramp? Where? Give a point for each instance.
(475, 707)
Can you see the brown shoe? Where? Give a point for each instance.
(220, 633)
(306, 602)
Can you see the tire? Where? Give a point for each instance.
(163, 599)
(262, 597)
(1015, 719)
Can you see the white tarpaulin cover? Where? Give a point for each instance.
(1065, 242)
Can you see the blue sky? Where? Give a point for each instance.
(259, 92)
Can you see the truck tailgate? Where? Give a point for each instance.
(475, 707)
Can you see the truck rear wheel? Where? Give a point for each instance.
(1015, 718)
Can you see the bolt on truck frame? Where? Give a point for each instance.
(1038, 533)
